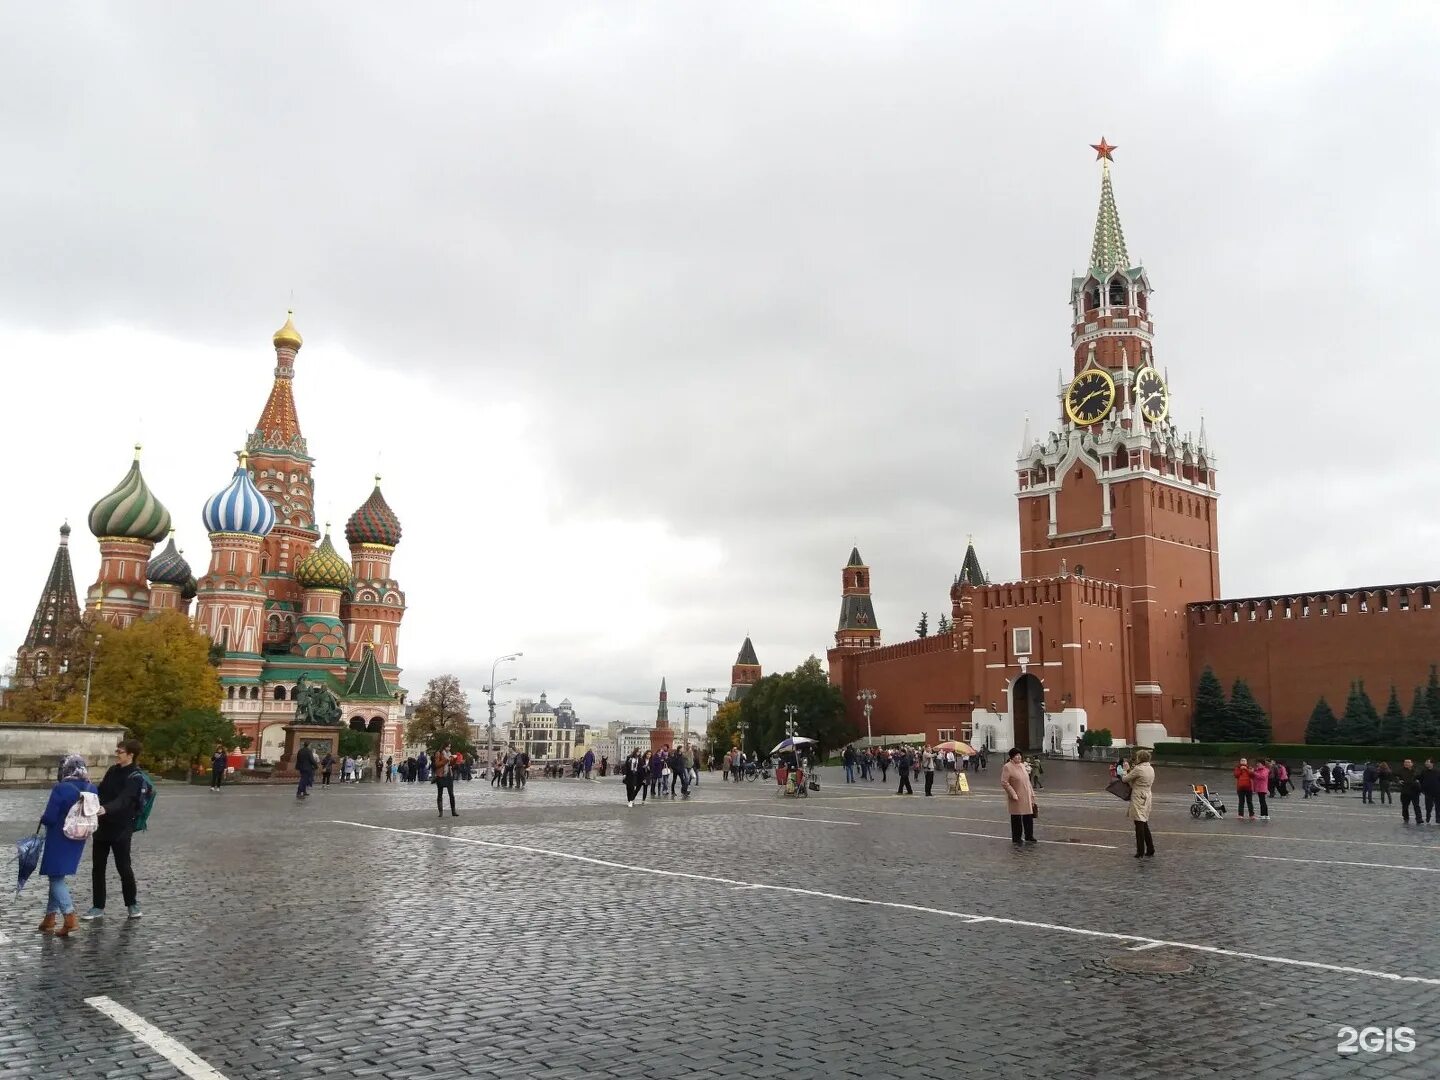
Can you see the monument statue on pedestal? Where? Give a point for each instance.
(315, 705)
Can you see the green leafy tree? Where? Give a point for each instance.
(1211, 711)
(1421, 728)
(149, 672)
(1392, 724)
(1247, 720)
(724, 733)
(922, 628)
(1322, 728)
(1359, 724)
(820, 709)
(190, 738)
(356, 744)
(443, 712)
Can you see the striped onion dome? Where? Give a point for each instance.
(131, 511)
(323, 568)
(189, 589)
(374, 522)
(169, 567)
(239, 507)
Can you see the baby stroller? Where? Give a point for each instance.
(1206, 804)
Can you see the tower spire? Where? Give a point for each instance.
(1107, 250)
(56, 621)
(279, 424)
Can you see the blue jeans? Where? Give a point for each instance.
(59, 902)
(849, 773)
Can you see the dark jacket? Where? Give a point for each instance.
(1409, 781)
(61, 856)
(1430, 782)
(305, 761)
(120, 799)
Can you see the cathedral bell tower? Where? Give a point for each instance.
(1117, 492)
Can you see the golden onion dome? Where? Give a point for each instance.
(287, 337)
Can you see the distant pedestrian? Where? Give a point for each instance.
(1141, 779)
(1409, 791)
(1368, 778)
(587, 763)
(1307, 780)
(848, 759)
(219, 760)
(1430, 788)
(1019, 797)
(927, 763)
(1383, 779)
(1260, 782)
(305, 763)
(390, 769)
(1244, 796)
(647, 761)
(444, 765)
(327, 765)
(884, 760)
(61, 855)
(123, 792)
(1037, 770)
(634, 782)
(903, 764)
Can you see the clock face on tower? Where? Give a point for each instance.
(1090, 397)
(1151, 395)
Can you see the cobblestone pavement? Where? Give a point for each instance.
(554, 932)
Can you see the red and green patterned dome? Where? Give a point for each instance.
(374, 522)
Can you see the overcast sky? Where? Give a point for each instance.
(648, 312)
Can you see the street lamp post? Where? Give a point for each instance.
(490, 702)
(868, 697)
(89, 671)
(790, 730)
(741, 726)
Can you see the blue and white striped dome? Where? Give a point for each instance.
(239, 508)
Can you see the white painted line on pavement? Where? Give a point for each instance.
(1147, 945)
(1337, 862)
(961, 916)
(174, 1052)
(787, 817)
(1062, 843)
(1220, 833)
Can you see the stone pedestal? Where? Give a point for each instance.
(322, 738)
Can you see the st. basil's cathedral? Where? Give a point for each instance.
(277, 598)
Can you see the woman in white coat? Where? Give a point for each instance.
(1141, 779)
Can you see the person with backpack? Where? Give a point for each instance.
(70, 817)
(126, 796)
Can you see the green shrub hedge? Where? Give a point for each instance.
(1297, 751)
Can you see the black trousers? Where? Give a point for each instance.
(324, 777)
(1264, 806)
(905, 788)
(1244, 799)
(102, 846)
(929, 781)
(1022, 825)
(1430, 807)
(1405, 803)
(442, 785)
(631, 789)
(217, 774)
(1144, 842)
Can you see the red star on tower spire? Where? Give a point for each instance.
(1103, 150)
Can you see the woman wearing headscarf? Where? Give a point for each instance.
(1141, 779)
(61, 858)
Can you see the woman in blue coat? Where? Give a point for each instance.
(61, 857)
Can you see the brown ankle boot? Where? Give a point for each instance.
(47, 924)
(71, 922)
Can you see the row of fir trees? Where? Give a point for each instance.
(1242, 720)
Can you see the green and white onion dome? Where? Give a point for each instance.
(131, 511)
(169, 567)
(323, 568)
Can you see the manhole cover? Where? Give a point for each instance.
(1149, 963)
